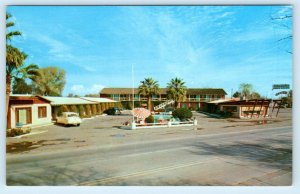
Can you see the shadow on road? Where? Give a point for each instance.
(269, 152)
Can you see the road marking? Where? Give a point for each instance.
(103, 159)
(156, 151)
(145, 172)
(97, 148)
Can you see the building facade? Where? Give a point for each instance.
(33, 111)
(242, 108)
(27, 110)
(195, 97)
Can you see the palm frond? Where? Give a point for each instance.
(9, 24)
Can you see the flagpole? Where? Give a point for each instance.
(132, 75)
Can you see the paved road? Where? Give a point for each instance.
(255, 157)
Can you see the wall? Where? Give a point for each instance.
(34, 111)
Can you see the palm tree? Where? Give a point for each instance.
(14, 57)
(148, 88)
(20, 76)
(176, 90)
(246, 90)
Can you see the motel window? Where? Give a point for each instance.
(192, 96)
(23, 116)
(230, 108)
(42, 111)
(115, 96)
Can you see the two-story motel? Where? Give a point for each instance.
(195, 97)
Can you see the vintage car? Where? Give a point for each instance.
(69, 118)
(113, 111)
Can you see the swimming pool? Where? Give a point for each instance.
(164, 118)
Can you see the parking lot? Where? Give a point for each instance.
(103, 131)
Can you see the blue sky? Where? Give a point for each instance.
(206, 46)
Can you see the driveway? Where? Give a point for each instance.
(104, 131)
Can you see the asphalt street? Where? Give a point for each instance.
(253, 157)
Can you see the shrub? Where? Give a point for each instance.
(73, 108)
(119, 105)
(182, 113)
(64, 108)
(94, 109)
(150, 119)
(102, 105)
(224, 114)
(88, 111)
(81, 111)
(98, 109)
(17, 131)
(58, 110)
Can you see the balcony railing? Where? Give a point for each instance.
(165, 99)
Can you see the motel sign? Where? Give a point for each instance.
(281, 86)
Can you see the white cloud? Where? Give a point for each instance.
(57, 48)
(77, 88)
(80, 89)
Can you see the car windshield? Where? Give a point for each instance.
(72, 115)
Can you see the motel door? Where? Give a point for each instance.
(23, 116)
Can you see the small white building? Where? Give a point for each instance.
(28, 110)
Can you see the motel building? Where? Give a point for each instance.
(257, 108)
(28, 110)
(196, 98)
(33, 111)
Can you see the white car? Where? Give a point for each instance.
(69, 118)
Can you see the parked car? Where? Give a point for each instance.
(113, 111)
(69, 118)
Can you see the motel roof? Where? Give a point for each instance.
(28, 98)
(66, 100)
(224, 101)
(190, 91)
(98, 100)
(250, 102)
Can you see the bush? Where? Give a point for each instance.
(150, 119)
(73, 108)
(224, 114)
(119, 105)
(88, 111)
(81, 111)
(94, 109)
(102, 105)
(64, 108)
(58, 110)
(182, 113)
(98, 106)
(17, 131)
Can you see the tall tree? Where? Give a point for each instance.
(255, 95)
(236, 94)
(245, 90)
(176, 90)
(20, 75)
(14, 57)
(92, 95)
(21, 87)
(50, 82)
(148, 88)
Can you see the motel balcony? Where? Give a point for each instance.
(165, 99)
